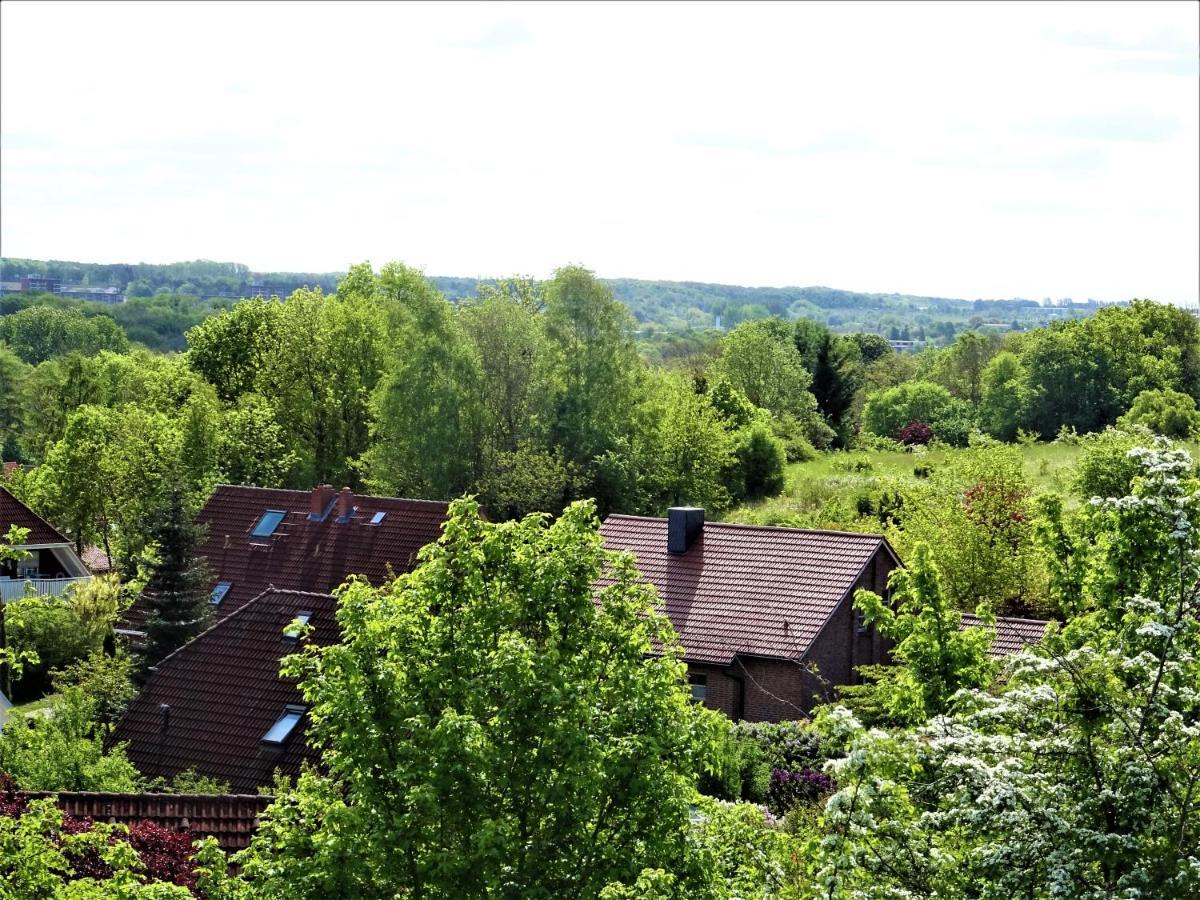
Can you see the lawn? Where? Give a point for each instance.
(812, 485)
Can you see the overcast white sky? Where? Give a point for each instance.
(967, 150)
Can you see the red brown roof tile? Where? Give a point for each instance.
(14, 512)
(223, 692)
(1012, 634)
(743, 589)
(230, 818)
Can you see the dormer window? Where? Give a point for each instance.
(292, 632)
(284, 726)
(268, 523)
(219, 592)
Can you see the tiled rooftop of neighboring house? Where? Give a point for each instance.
(230, 818)
(14, 512)
(258, 538)
(1011, 634)
(218, 703)
(745, 589)
(96, 560)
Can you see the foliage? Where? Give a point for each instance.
(976, 511)
(915, 433)
(546, 751)
(178, 589)
(38, 333)
(58, 630)
(918, 401)
(788, 788)
(935, 657)
(750, 751)
(63, 750)
(594, 360)
(105, 679)
(45, 853)
(1104, 467)
(835, 364)
(1004, 396)
(426, 434)
(1169, 413)
(1076, 778)
(525, 480)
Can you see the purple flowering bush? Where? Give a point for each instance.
(788, 788)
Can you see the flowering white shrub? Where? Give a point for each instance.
(1080, 777)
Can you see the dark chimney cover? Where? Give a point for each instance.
(684, 525)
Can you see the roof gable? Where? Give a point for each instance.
(14, 512)
(224, 692)
(745, 589)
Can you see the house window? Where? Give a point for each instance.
(699, 685)
(284, 726)
(268, 523)
(292, 632)
(860, 621)
(219, 592)
(377, 518)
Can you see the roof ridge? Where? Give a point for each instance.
(870, 535)
(1010, 619)
(304, 492)
(270, 589)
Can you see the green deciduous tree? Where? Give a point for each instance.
(935, 658)
(915, 401)
(428, 417)
(491, 727)
(595, 362)
(1004, 396)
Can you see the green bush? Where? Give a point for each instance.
(752, 750)
(915, 401)
(1170, 413)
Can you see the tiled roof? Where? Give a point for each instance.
(1011, 634)
(230, 818)
(745, 589)
(96, 560)
(14, 512)
(305, 555)
(224, 692)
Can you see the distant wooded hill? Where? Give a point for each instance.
(657, 305)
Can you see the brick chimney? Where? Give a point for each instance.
(684, 525)
(319, 500)
(345, 505)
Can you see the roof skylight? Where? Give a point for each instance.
(268, 523)
(292, 632)
(377, 518)
(219, 592)
(284, 725)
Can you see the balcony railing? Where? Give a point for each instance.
(12, 588)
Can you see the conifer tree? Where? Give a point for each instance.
(179, 588)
